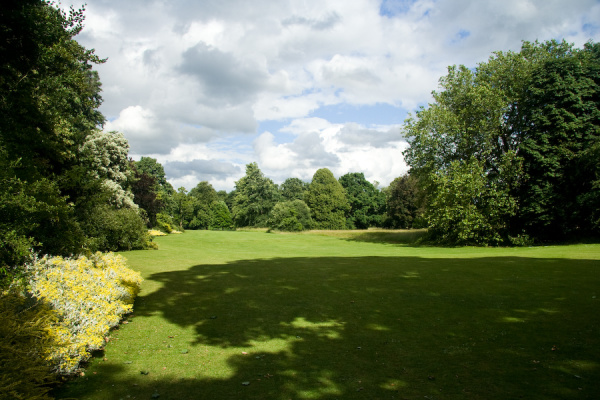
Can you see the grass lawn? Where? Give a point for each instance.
(255, 315)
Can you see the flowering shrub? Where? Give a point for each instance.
(24, 339)
(156, 232)
(89, 294)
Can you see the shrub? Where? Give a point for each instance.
(164, 222)
(290, 216)
(89, 295)
(24, 340)
(112, 229)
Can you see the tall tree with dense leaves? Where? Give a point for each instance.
(54, 154)
(404, 203)
(255, 195)
(367, 204)
(293, 189)
(507, 117)
(205, 196)
(562, 115)
(327, 201)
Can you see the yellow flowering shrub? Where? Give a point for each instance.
(24, 339)
(90, 295)
(156, 232)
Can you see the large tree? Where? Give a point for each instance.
(404, 203)
(205, 195)
(54, 156)
(327, 201)
(293, 189)
(367, 204)
(254, 197)
(562, 116)
(502, 119)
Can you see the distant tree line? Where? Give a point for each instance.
(351, 202)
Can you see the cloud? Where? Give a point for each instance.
(224, 79)
(202, 169)
(194, 80)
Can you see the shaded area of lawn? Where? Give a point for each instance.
(362, 328)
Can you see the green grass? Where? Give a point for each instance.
(353, 315)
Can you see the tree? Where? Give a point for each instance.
(205, 195)
(466, 210)
(293, 215)
(293, 189)
(367, 204)
(221, 217)
(326, 199)
(404, 202)
(254, 197)
(150, 166)
(493, 117)
(184, 207)
(54, 157)
(145, 196)
(103, 157)
(562, 115)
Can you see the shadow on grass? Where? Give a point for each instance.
(377, 328)
(405, 237)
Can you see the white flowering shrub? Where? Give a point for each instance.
(90, 295)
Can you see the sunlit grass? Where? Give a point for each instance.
(349, 315)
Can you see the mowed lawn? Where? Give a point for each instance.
(256, 315)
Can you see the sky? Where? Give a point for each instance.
(206, 87)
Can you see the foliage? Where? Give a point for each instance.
(293, 189)
(204, 195)
(145, 196)
(367, 204)
(113, 229)
(220, 216)
(151, 167)
(90, 296)
(104, 158)
(327, 201)
(57, 167)
(33, 216)
(164, 222)
(255, 196)
(464, 210)
(562, 115)
(524, 119)
(183, 207)
(404, 201)
(24, 339)
(291, 215)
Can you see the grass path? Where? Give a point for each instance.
(252, 315)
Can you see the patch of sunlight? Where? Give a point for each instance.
(328, 329)
(574, 367)
(326, 387)
(275, 345)
(376, 327)
(393, 384)
(513, 319)
(548, 311)
(411, 274)
(232, 290)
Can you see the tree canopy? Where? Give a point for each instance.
(509, 137)
(327, 201)
(255, 196)
(367, 204)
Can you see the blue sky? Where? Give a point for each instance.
(206, 87)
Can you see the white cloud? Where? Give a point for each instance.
(193, 80)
